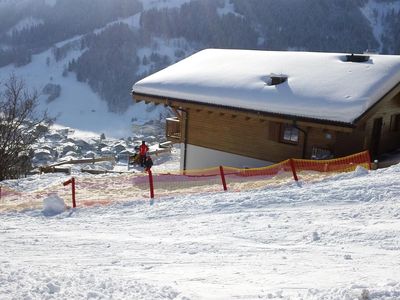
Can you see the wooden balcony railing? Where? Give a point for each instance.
(173, 130)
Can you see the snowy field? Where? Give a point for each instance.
(335, 239)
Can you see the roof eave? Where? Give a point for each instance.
(390, 94)
(165, 100)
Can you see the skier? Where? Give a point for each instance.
(143, 151)
(148, 163)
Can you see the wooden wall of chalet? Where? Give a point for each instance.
(349, 143)
(390, 136)
(237, 135)
(252, 137)
(258, 137)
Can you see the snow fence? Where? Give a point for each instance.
(236, 179)
(87, 190)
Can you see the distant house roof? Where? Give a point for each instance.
(326, 86)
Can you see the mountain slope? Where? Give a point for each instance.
(78, 106)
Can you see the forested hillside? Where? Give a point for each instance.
(121, 41)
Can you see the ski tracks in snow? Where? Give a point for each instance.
(334, 239)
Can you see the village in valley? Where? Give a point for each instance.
(196, 149)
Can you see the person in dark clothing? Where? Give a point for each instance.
(143, 149)
(148, 163)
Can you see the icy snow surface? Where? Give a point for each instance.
(53, 205)
(319, 85)
(335, 239)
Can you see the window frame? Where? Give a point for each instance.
(284, 140)
(321, 153)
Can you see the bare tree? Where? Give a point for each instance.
(20, 127)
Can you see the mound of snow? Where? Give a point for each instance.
(360, 171)
(53, 205)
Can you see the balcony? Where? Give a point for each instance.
(173, 130)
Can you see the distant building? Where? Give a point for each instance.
(247, 108)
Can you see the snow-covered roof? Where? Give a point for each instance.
(319, 85)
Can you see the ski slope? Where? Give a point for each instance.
(335, 239)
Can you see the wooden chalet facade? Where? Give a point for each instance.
(212, 134)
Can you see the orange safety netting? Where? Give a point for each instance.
(212, 179)
(90, 190)
(343, 164)
(13, 199)
(191, 181)
(104, 189)
(241, 179)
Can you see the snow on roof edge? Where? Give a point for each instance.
(341, 95)
(266, 113)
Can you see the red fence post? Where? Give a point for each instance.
(221, 171)
(72, 182)
(292, 166)
(151, 184)
(73, 192)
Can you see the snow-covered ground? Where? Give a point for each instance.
(338, 238)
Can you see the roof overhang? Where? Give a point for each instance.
(370, 111)
(190, 104)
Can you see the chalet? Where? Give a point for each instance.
(248, 108)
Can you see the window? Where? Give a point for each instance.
(395, 123)
(289, 134)
(320, 153)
